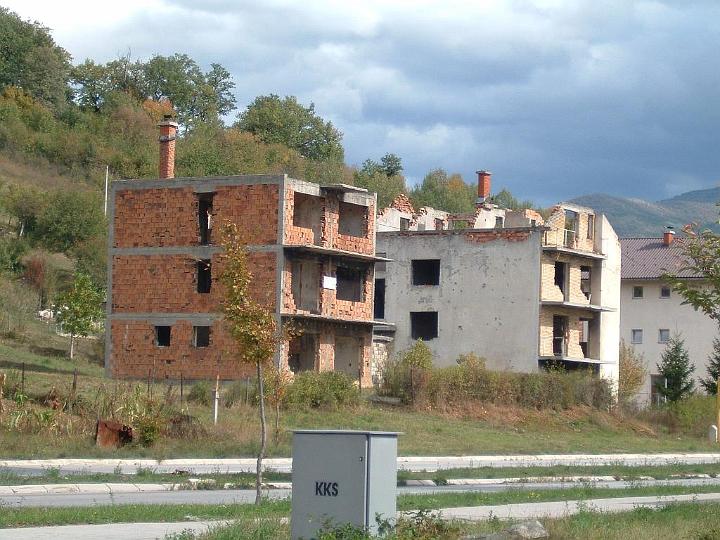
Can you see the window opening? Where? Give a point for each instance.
(560, 275)
(424, 325)
(379, 305)
(585, 276)
(560, 326)
(426, 272)
(162, 336)
(350, 283)
(591, 227)
(205, 217)
(404, 224)
(663, 335)
(657, 382)
(204, 276)
(439, 224)
(637, 292)
(585, 337)
(499, 222)
(353, 220)
(664, 292)
(201, 336)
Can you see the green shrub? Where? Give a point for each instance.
(326, 389)
(693, 415)
(147, 429)
(201, 393)
(402, 375)
(470, 381)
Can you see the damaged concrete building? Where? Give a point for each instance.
(311, 252)
(514, 288)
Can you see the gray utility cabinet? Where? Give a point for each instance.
(341, 477)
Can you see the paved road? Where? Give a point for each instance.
(152, 531)
(413, 463)
(248, 496)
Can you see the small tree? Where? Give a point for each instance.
(251, 325)
(632, 372)
(278, 382)
(677, 370)
(709, 384)
(79, 309)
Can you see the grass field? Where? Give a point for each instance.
(21, 517)
(486, 430)
(674, 522)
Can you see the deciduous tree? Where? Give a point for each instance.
(632, 372)
(251, 325)
(285, 121)
(79, 309)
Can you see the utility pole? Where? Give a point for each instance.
(107, 179)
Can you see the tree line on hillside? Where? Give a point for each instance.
(76, 119)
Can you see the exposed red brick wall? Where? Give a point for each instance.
(135, 354)
(168, 216)
(329, 234)
(330, 306)
(168, 283)
(327, 331)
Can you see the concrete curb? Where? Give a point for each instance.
(407, 463)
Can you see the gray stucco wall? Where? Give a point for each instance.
(487, 300)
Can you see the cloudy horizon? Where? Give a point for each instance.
(557, 98)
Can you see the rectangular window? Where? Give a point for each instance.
(201, 336)
(439, 224)
(637, 292)
(404, 224)
(636, 335)
(426, 272)
(162, 336)
(350, 284)
(353, 220)
(560, 273)
(499, 221)
(591, 227)
(663, 335)
(424, 325)
(204, 276)
(664, 292)
(205, 218)
(379, 305)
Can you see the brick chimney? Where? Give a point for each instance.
(168, 132)
(483, 185)
(668, 237)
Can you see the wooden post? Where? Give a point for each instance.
(247, 390)
(22, 380)
(182, 388)
(216, 399)
(2, 385)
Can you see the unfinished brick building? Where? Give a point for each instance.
(311, 251)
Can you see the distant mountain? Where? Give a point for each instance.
(637, 217)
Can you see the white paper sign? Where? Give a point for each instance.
(329, 282)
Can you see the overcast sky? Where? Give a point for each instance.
(556, 98)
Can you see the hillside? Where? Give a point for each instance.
(637, 217)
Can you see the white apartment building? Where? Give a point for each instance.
(651, 312)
